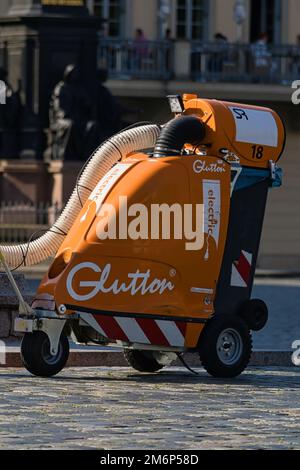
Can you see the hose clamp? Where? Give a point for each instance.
(164, 150)
(273, 168)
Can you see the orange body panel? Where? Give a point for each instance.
(148, 181)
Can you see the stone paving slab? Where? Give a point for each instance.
(114, 408)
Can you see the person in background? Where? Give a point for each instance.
(139, 36)
(220, 38)
(140, 47)
(260, 51)
(262, 58)
(168, 35)
(219, 55)
(104, 29)
(168, 53)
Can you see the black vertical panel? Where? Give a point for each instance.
(244, 233)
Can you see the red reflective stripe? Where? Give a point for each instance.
(153, 332)
(110, 326)
(181, 326)
(244, 268)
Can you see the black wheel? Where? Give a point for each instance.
(255, 313)
(36, 356)
(225, 346)
(143, 361)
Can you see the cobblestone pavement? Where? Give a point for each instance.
(119, 409)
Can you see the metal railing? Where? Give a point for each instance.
(248, 63)
(19, 221)
(210, 62)
(129, 59)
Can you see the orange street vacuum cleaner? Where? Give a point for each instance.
(155, 297)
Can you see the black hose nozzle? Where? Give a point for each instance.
(181, 130)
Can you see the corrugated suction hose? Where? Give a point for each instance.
(177, 132)
(101, 162)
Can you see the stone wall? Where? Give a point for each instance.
(8, 303)
(37, 181)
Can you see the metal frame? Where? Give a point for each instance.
(52, 324)
(237, 63)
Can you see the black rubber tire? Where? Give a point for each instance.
(255, 314)
(143, 361)
(208, 350)
(36, 357)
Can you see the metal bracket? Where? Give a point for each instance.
(273, 168)
(50, 326)
(53, 329)
(232, 158)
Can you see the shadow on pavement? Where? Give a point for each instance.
(254, 377)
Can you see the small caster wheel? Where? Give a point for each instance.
(143, 361)
(36, 356)
(225, 346)
(255, 313)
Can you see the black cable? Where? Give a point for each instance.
(180, 357)
(62, 232)
(24, 255)
(132, 126)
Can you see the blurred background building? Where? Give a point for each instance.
(237, 50)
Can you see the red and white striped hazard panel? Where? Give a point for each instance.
(241, 270)
(138, 330)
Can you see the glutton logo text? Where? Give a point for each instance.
(200, 166)
(141, 283)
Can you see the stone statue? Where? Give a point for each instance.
(74, 134)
